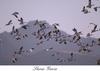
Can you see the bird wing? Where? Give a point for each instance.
(9, 22)
(15, 13)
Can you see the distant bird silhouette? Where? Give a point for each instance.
(31, 50)
(17, 31)
(13, 30)
(89, 4)
(19, 51)
(53, 55)
(10, 22)
(42, 26)
(41, 37)
(25, 35)
(25, 27)
(21, 48)
(78, 38)
(58, 59)
(96, 9)
(15, 14)
(84, 48)
(21, 21)
(74, 30)
(36, 22)
(65, 42)
(48, 49)
(55, 26)
(14, 60)
(71, 54)
(70, 59)
(88, 35)
(51, 48)
(61, 60)
(41, 42)
(76, 35)
(34, 33)
(48, 35)
(85, 11)
(18, 38)
(94, 29)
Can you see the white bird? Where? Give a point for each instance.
(31, 50)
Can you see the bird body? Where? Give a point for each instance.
(74, 30)
(96, 9)
(20, 51)
(36, 22)
(14, 60)
(89, 4)
(88, 35)
(21, 20)
(76, 35)
(25, 27)
(31, 50)
(85, 11)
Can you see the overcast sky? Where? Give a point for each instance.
(65, 12)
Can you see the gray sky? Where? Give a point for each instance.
(65, 12)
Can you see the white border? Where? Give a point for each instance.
(59, 68)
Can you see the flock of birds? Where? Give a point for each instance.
(15, 31)
(90, 6)
(40, 34)
(54, 34)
